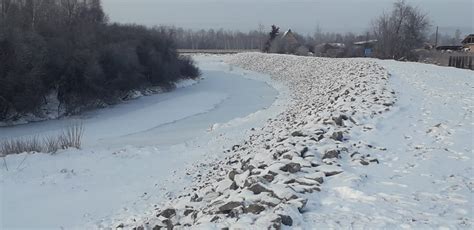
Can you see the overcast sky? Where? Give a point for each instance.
(300, 15)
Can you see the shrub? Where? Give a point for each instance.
(187, 67)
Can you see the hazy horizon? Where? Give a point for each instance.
(303, 16)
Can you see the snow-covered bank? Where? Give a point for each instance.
(52, 109)
(269, 179)
(425, 177)
(135, 154)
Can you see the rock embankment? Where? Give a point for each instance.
(265, 181)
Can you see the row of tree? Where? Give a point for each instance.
(398, 32)
(67, 47)
(217, 39)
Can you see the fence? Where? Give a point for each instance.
(463, 62)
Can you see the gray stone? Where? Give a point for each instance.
(188, 211)
(232, 174)
(257, 188)
(291, 167)
(276, 223)
(333, 173)
(226, 208)
(196, 198)
(215, 218)
(168, 213)
(338, 120)
(331, 154)
(254, 208)
(337, 136)
(233, 186)
(375, 160)
(286, 220)
(269, 177)
(304, 151)
(169, 224)
(297, 134)
(319, 180)
(320, 137)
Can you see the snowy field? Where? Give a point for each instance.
(135, 154)
(425, 177)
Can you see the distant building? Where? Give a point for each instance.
(289, 37)
(449, 48)
(468, 43)
(289, 43)
(365, 48)
(334, 50)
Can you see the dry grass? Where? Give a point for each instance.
(71, 137)
(20, 145)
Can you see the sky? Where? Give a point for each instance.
(303, 16)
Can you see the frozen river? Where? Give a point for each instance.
(168, 118)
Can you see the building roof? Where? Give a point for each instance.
(469, 39)
(368, 42)
(288, 32)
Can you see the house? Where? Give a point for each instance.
(364, 48)
(289, 37)
(289, 43)
(468, 43)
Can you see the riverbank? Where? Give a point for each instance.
(134, 154)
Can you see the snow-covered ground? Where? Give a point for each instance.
(425, 179)
(267, 180)
(347, 144)
(134, 154)
(364, 144)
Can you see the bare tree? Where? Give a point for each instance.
(401, 31)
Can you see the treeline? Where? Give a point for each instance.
(67, 47)
(217, 39)
(394, 34)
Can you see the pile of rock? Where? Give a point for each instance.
(264, 182)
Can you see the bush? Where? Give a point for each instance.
(187, 68)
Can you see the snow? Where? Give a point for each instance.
(404, 159)
(134, 154)
(425, 179)
(289, 158)
(345, 143)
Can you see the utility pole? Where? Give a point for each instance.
(436, 42)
